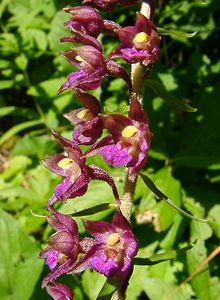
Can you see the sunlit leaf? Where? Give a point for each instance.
(149, 183)
(20, 268)
(108, 289)
(158, 258)
(93, 210)
(4, 111)
(17, 128)
(179, 34)
(173, 101)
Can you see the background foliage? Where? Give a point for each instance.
(184, 161)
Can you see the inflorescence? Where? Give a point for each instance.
(111, 246)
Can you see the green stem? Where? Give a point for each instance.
(38, 107)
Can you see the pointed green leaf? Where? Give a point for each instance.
(93, 210)
(4, 111)
(149, 183)
(17, 128)
(6, 84)
(108, 289)
(160, 91)
(200, 282)
(158, 258)
(20, 268)
(179, 34)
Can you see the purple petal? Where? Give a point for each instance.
(89, 132)
(89, 101)
(115, 155)
(60, 222)
(99, 229)
(59, 291)
(104, 265)
(134, 56)
(88, 18)
(64, 268)
(51, 163)
(69, 190)
(90, 57)
(144, 24)
(120, 221)
(102, 4)
(52, 259)
(136, 111)
(127, 265)
(84, 263)
(64, 243)
(115, 123)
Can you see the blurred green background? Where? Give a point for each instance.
(184, 160)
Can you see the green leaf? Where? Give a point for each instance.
(108, 289)
(57, 32)
(6, 84)
(39, 146)
(17, 128)
(158, 258)
(160, 289)
(4, 63)
(149, 183)
(173, 233)
(179, 34)
(93, 210)
(47, 88)
(40, 38)
(200, 282)
(159, 90)
(20, 268)
(92, 283)
(199, 137)
(16, 164)
(135, 286)
(21, 61)
(214, 214)
(215, 288)
(4, 111)
(98, 193)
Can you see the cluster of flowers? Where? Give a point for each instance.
(112, 246)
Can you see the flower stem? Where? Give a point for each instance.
(137, 80)
(128, 196)
(137, 77)
(138, 85)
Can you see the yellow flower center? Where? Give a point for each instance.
(113, 239)
(85, 115)
(70, 167)
(141, 37)
(65, 163)
(129, 131)
(61, 258)
(79, 58)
